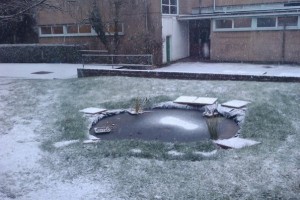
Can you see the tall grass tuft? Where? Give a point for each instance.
(139, 104)
(213, 126)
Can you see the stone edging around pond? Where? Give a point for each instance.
(237, 115)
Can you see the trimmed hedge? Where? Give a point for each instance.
(40, 53)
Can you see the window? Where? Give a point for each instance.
(57, 30)
(266, 22)
(223, 23)
(72, 29)
(110, 28)
(257, 23)
(86, 28)
(169, 7)
(288, 21)
(242, 23)
(45, 30)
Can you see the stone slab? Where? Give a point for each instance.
(236, 103)
(236, 143)
(205, 101)
(195, 100)
(185, 99)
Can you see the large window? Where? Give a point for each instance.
(76, 30)
(169, 7)
(224, 23)
(257, 23)
(266, 22)
(242, 22)
(288, 21)
(49, 30)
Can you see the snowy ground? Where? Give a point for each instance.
(65, 71)
(234, 68)
(36, 115)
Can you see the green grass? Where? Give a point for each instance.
(266, 171)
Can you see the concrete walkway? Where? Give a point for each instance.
(184, 70)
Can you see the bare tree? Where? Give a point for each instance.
(108, 31)
(17, 19)
(12, 10)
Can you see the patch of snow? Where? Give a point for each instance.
(19, 149)
(178, 122)
(91, 137)
(136, 151)
(175, 153)
(171, 105)
(92, 110)
(92, 141)
(65, 143)
(236, 142)
(80, 188)
(206, 154)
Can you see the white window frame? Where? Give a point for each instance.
(177, 8)
(254, 26)
(66, 34)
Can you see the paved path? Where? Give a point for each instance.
(65, 71)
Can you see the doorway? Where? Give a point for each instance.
(200, 39)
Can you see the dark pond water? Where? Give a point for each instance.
(167, 125)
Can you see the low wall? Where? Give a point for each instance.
(178, 75)
(37, 53)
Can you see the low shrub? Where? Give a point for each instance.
(40, 53)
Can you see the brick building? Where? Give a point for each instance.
(220, 30)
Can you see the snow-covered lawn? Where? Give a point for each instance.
(37, 115)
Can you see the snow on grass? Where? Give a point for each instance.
(19, 148)
(136, 151)
(64, 143)
(47, 110)
(206, 154)
(175, 153)
(236, 143)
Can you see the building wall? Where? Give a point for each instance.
(142, 26)
(255, 46)
(179, 32)
(186, 6)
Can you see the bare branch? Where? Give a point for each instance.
(17, 8)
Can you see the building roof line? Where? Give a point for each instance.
(216, 15)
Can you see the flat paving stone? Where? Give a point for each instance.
(195, 100)
(236, 103)
(185, 99)
(205, 101)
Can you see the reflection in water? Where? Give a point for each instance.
(174, 121)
